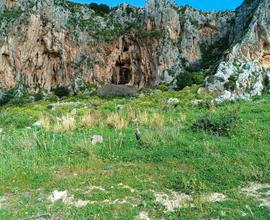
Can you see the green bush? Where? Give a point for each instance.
(221, 124)
(188, 79)
(110, 91)
(231, 83)
(162, 87)
(100, 9)
(5, 96)
(19, 101)
(39, 95)
(62, 91)
(266, 84)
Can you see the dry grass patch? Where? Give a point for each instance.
(44, 122)
(143, 118)
(66, 123)
(90, 120)
(156, 121)
(116, 121)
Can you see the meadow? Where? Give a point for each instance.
(192, 159)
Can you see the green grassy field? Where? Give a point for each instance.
(178, 170)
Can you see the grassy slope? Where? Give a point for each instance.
(34, 162)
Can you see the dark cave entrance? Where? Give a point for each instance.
(122, 73)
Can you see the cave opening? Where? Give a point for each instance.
(122, 73)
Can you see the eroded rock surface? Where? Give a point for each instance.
(51, 43)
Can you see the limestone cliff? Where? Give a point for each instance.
(54, 42)
(245, 71)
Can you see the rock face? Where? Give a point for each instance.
(45, 44)
(245, 71)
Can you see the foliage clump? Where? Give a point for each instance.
(231, 83)
(221, 124)
(62, 91)
(188, 79)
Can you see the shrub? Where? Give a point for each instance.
(231, 83)
(52, 98)
(188, 79)
(62, 91)
(211, 79)
(5, 96)
(100, 9)
(221, 124)
(19, 100)
(162, 87)
(198, 78)
(39, 95)
(110, 91)
(184, 79)
(266, 84)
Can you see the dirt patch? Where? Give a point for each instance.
(174, 200)
(3, 200)
(69, 199)
(260, 192)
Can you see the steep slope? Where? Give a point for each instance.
(245, 72)
(44, 44)
(51, 43)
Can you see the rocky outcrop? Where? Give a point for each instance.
(245, 71)
(51, 43)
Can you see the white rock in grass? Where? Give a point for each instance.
(143, 216)
(97, 139)
(173, 101)
(1, 130)
(37, 124)
(58, 195)
(73, 111)
(119, 107)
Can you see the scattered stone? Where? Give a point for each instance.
(138, 134)
(173, 102)
(202, 91)
(73, 111)
(97, 139)
(99, 188)
(196, 102)
(143, 216)
(58, 195)
(123, 186)
(37, 124)
(174, 201)
(213, 197)
(68, 200)
(119, 107)
(141, 95)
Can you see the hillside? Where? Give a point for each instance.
(129, 113)
(46, 44)
(193, 160)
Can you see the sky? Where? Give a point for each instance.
(208, 5)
